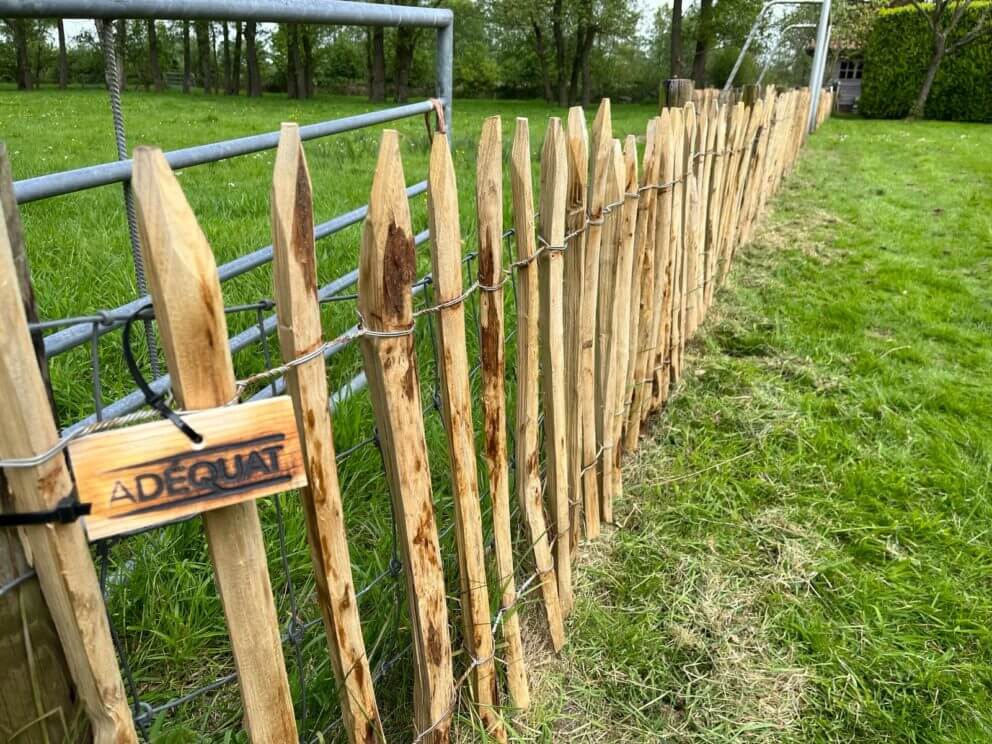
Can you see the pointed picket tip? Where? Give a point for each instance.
(602, 137)
(649, 173)
(489, 199)
(387, 264)
(520, 150)
(554, 181)
(442, 215)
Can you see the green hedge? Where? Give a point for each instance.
(896, 59)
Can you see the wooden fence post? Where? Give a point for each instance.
(194, 338)
(386, 269)
(600, 153)
(710, 115)
(696, 210)
(527, 455)
(715, 206)
(606, 313)
(678, 92)
(554, 182)
(456, 410)
(621, 321)
(662, 365)
(690, 207)
(642, 300)
(295, 279)
(489, 206)
(43, 707)
(60, 552)
(575, 225)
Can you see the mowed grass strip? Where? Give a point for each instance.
(803, 550)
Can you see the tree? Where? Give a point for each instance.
(204, 65)
(676, 47)
(403, 51)
(153, 58)
(19, 31)
(228, 75)
(376, 42)
(943, 21)
(704, 40)
(251, 60)
(236, 77)
(187, 60)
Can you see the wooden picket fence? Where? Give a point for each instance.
(617, 263)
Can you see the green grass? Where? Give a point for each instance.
(802, 552)
(803, 548)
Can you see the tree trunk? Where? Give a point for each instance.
(187, 66)
(559, 39)
(377, 65)
(19, 31)
(406, 41)
(214, 66)
(228, 76)
(292, 59)
(576, 71)
(203, 67)
(586, 72)
(676, 38)
(153, 61)
(251, 60)
(236, 71)
(542, 58)
(703, 42)
(122, 51)
(63, 58)
(939, 47)
(307, 62)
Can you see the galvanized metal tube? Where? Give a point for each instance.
(444, 62)
(62, 341)
(300, 11)
(819, 60)
(66, 182)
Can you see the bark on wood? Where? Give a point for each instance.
(527, 456)
(386, 269)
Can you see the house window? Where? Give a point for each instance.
(850, 69)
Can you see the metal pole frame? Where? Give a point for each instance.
(340, 12)
(819, 64)
(778, 43)
(754, 32)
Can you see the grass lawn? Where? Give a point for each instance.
(803, 549)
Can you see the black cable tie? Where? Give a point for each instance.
(68, 511)
(153, 399)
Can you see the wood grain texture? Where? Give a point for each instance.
(554, 185)
(151, 474)
(622, 303)
(665, 369)
(489, 208)
(294, 276)
(45, 706)
(714, 207)
(706, 198)
(528, 349)
(606, 314)
(385, 272)
(180, 266)
(59, 552)
(600, 154)
(577, 145)
(696, 236)
(690, 206)
(456, 410)
(642, 298)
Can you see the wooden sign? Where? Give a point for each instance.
(151, 474)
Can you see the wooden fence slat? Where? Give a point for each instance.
(554, 184)
(577, 142)
(386, 269)
(715, 204)
(527, 455)
(606, 314)
(690, 207)
(706, 194)
(754, 116)
(694, 282)
(489, 207)
(622, 303)
(599, 158)
(662, 366)
(194, 336)
(642, 299)
(735, 141)
(294, 277)
(59, 552)
(456, 410)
